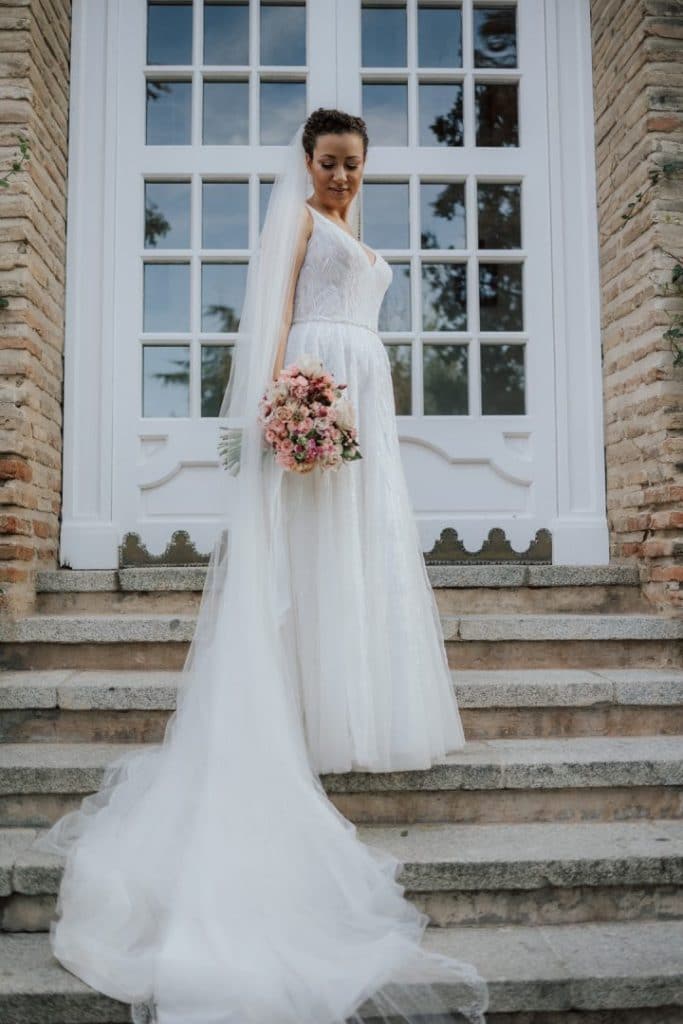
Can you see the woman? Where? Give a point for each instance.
(211, 880)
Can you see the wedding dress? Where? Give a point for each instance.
(210, 880)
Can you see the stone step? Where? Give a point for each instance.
(472, 641)
(535, 873)
(134, 705)
(458, 588)
(628, 972)
(576, 779)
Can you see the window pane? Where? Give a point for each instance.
(216, 361)
(225, 215)
(226, 114)
(444, 297)
(169, 112)
(265, 188)
(499, 211)
(165, 380)
(226, 34)
(440, 114)
(502, 380)
(496, 113)
(444, 371)
(283, 34)
(166, 288)
(495, 37)
(169, 34)
(383, 34)
(400, 358)
(385, 110)
(223, 287)
(442, 215)
(500, 296)
(283, 107)
(385, 215)
(439, 34)
(167, 214)
(395, 311)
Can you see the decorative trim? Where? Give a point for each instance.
(450, 550)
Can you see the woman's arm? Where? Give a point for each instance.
(305, 229)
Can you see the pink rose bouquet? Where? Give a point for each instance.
(307, 420)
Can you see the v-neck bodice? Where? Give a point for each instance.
(360, 245)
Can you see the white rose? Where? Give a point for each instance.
(309, 365)
(344, 414)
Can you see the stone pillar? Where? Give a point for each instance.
(34, 102)
(638, 95)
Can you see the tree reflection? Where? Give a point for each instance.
(502, 380)
(216, 362)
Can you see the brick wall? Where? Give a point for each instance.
(638, 91)
(34, 89)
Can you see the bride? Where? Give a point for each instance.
(210, 880)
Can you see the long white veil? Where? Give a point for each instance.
(210, 880)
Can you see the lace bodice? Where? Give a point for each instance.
(337, 280)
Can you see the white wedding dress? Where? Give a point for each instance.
(210, 880)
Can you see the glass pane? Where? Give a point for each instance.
(226, 34)
(167, 214)
(283, 107)
(169, 112)
(226, 114)
(383, 34)
(495, 37)
(444, 370)
(440, 114)
(166, 288)
(495, 106)
(283, 34)
(385, 110)
(500, 296)
(502, 380)
(225, 215)
(439, 37)
(395, 311)
(265, 188)
(169, 34)
(215, 372)
(442, 215)
(444, 297)
(400, 358)
(385, 215)
(500, 219)
(222, 295)
(165, 380)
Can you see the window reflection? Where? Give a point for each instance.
(165, 380)
(283, 107)
(167, 214)
(439, 36)
(226, 114)
(223, 287)
(169, 33)
(499, 215)
(283, 34)
(385, 110)
(440, 114)
(225, 215)
(495, 42)
(385, 215)
(265, 188)
(500, 296)
(444, 297)
(216, 360)
(502, 380)
(442, 215)
(444, 374)
(166, 297)
(226, 34)
(383, 36)
(495, 105)
(400, 359)
(169, 111)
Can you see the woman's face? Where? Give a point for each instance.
(336, 168)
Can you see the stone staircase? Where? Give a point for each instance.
(549, 851)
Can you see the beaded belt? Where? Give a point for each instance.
(332, 320)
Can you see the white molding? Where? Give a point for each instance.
(576, 288)
(90, 248)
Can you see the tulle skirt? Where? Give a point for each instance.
(361, 619)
